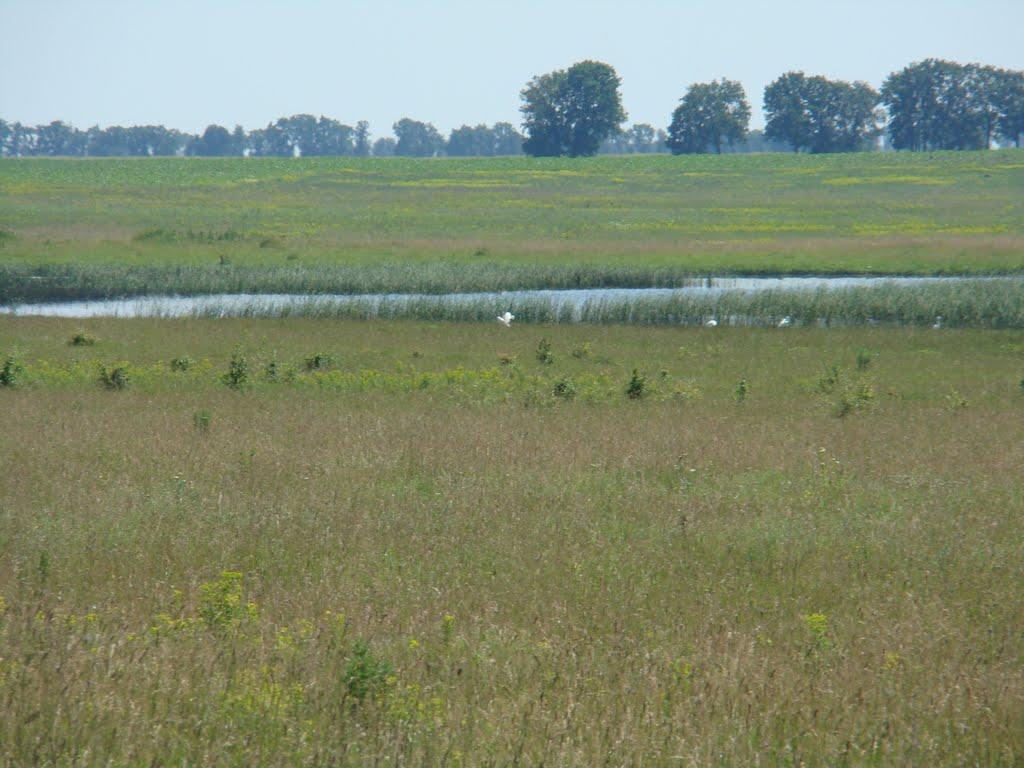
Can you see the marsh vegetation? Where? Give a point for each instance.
(606, 554)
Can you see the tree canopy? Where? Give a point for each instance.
(1009, 101)
(640, 139)
(821, 115)
(710, 116)
(937, 104)
(484, 141)
(571, 111)
(216, 141)
(416, 139)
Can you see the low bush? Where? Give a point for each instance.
(114, 378)
(181, 364)
(10, 372)
(237, 377)
(637, 386)
(82, 338)
(320, 361)
(544, 353)
(565, 389)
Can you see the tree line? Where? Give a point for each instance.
(287, 137)
(929, 105)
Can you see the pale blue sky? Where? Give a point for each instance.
(192, 62)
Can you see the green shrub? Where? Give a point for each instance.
(320, 361)
(742, 390)
(82, 338)
(237, 377)
(544, 354)
(10, 372)
(272, 371)
(182, 364)
(582, 352)
(637, 386)
(565, 389)
(114, 378)
(366, 674)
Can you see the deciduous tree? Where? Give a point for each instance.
(417, 139)
(570, 112)
(710, 116)
(821, 115)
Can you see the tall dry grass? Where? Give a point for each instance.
(446, 580)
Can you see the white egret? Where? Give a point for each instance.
(938, 322)
(506, 319)
(712, 323)
(785, 322)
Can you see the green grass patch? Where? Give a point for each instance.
(862, 213)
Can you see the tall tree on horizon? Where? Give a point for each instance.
(216, 141)
(1009, 100)
(417, 139)
(571, 111)
(470, 141)
(938, 104)
(710, 116)
(384, 147)
(362, 146)
(821, 115)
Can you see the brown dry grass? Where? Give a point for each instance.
(655, 582)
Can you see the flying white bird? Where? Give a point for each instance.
(785, 322)
(506, 319)
(712, 323)
(938, 322)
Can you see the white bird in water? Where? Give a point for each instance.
(938, 322)
(506, 319)
(712, 323)
(785, 322)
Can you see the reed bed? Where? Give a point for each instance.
(967, 303)
(62, 282)
(963, 303)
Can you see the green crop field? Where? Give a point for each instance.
(320, 542)
(875, 213)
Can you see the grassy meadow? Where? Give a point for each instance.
(113, 227)
(401, 534)
(321, 542)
